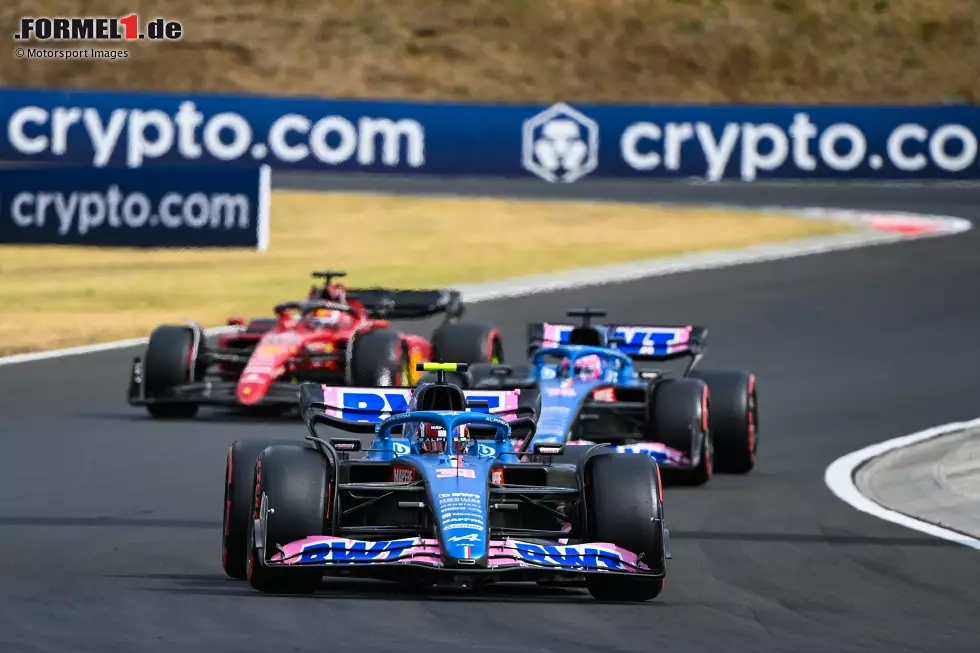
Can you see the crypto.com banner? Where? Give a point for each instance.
(143, 207)
(556, 143)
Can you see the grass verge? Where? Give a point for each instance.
(59, 296)
(715, 51)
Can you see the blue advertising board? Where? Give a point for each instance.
(555, 143)
(135, 207)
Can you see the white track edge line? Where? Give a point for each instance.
(597, 276)
(839, 477)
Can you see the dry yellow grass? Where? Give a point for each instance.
(864, 51)
(59, 296)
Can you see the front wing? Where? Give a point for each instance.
(209, 393)
(508, 559)
(665, 456)
(628, 416)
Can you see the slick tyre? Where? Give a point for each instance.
(237, 507)
(459, 342)
(678, 416)
(170, 357)
(379, 359)
(624, 507)
(294, 479)
(734, 419)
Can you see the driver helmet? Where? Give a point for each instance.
(324, 317)
(587, 368)
(434, 439)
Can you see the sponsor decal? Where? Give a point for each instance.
(604, 394)
(659, 452)
(486, 450)
(497, 476)
(651, 340)
(346, 551)
(363, 405)
(579, 555)
(462, 510)
(372, 405)
(560, 144)
(401, 449)
(134, 208)
(560, 392)
(472, 537)
(453, 473)
(402, 475)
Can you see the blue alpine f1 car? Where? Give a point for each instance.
(440, 496)
(586, 384)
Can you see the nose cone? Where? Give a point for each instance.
(251, 392)
(458, 489)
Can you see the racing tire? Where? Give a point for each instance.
(168, 364)
(625, 508)
(734, 419)
(459, 342)
(379, 359)
(679, 417)
(295, 478)
(239, 479)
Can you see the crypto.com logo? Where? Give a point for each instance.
(560, 144)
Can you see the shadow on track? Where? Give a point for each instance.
(695, 536)
(364, 590)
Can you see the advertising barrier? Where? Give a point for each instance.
(142, 207)
(555, 143)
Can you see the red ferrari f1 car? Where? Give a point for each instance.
(337, 336)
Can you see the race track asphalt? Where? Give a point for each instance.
(109, 522)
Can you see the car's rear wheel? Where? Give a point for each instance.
(379, 359)
(625, 508)
(294, 480)
(169, 359)
(461, 342)
(734, 419)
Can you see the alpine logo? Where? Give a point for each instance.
(400, 448)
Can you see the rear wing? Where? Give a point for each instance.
(370, 405)
(642, 342)
(388, 304)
